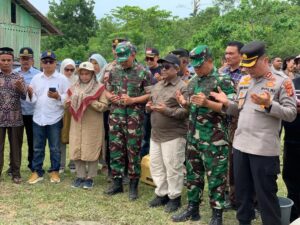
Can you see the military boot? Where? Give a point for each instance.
(133, 189)
(217, 217)
(116, 187)
(173, 205)
(191, 213)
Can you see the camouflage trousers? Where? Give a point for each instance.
(125, 139)
(212, 160)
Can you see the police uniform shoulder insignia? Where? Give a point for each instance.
(288, 88)
(245, 80)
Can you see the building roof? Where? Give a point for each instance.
(47, 27)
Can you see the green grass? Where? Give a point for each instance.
(47, 203)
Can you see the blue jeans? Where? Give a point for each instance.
(40, 135)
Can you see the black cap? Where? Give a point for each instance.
(251, 52)
(48, 54)
(171, 58)
(116, 41)
(151, 52)
(6, 51)
(180, 52)
(26, 52)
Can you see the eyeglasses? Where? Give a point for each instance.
(167, 66)
(149, 59)
(69, 70)
(48, 61)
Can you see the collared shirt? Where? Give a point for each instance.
(48, 111)
(172, 123)
(278, 72)
(134, 81)
(10, 105)
(27, 107)
(257, 124)
(206, 125)
(235, 75)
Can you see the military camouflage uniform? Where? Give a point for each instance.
(207, 149)
(126, 122)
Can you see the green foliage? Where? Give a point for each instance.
(273, 21)
(76, 20)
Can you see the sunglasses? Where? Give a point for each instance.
(167, 66)
(149, 59)
(69, 70)
(48, 61)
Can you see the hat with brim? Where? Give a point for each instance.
(171, 58)
(26, 52)
(6, 51)
(248, 62)
(199, 54)
(197, 62)
(251, 52)
(151, 52)
(86, 66)
(123, 57)
(123, 51)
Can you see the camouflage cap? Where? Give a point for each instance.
(199, 54)
(124, 50)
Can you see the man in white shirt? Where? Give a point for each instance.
(48, 91)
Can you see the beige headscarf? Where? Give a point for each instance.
(82, 95)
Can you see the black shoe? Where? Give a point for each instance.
(88, 184)
(116, 187)
(217, 217)
(191, 213)
(77, 183)
(133, 189)
(173, 205)
(158, 201)
(244, 222)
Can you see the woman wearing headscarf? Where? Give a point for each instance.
(67, 68)
(99, 65)
(99, 62)
(86, 102)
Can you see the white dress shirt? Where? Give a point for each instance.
(48, 111)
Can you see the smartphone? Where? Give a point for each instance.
(52, 89)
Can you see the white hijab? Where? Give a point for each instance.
(72, 79)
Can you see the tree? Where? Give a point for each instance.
(196, 7)
(76, 20)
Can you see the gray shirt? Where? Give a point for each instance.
(172, 123)
(258, 128)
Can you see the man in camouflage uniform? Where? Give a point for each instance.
(129, 87)
(103, 79)
(207, 149)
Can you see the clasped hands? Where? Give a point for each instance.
(124, 99)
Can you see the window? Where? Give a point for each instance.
(13, 13)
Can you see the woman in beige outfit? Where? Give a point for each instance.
(87, 102)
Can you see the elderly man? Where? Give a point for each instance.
(12, 89)
(169, 128)
(207, 148)
(129, 87)
(28, 72)
(48, 91)
(263, 101)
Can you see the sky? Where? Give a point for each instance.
(181, 8)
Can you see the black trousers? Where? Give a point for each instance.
(27, 120)
(256, 175)
(291, 175)
(15, 137)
